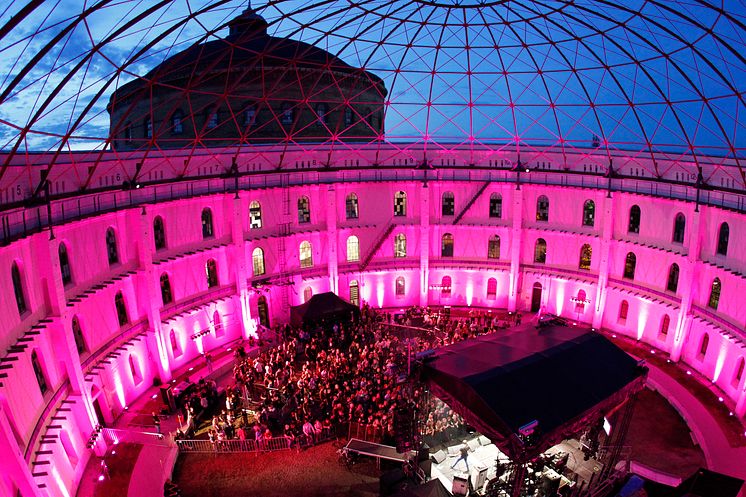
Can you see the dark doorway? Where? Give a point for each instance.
(99, 413)
(263, 311)
(536, 298)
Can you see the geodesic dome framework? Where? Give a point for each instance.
(649, 79)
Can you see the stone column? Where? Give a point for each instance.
(239, 266)
(688, 286)
(607, 235)
(332, 239)
(516, 233)
(424, 244)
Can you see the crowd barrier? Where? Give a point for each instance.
(267, 445)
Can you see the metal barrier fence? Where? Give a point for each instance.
(366, 432)
(114, 436)
(267, 445)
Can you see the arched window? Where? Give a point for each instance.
(634, 219)
(67, 275)
(212, 119)
(217, 325)
(41, 380)
(147, 126)
(211, 272)
(348, 116)
(257, 261)
(321, 110)
(540, 251)
(630, 262)
(623, 311)
(589, 213)
(723, 235)
(287, 113)
(121, 309)
(159, 233)
(78, 335)
(665, 323)
(400, 245)
(353, 249)
(306, 255)
(354, 293)
(542, 208)
(304, 210)
(175, 349)
(15, 276)
(714, 294)
(703, 346)
(207, 231)
(128, 133)
(679, 225)
(492, 289)
(249, 116)
(446, 245)
(445, 286)
(111, 246)
(177, 126)
(738, 372)
(673, 278)
(166, 294)
(351, 206)
(493, 247)
(400, 204)
(135, 370)
(448, 204)
(307, 294)
(496, 206)
(255, 215)
(585, 256)
(400, 286)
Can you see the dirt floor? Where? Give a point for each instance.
(315, 472)
(660, 438)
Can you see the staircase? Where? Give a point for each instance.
(471, 201)
(377, 245)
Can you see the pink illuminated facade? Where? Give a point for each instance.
(113, 301)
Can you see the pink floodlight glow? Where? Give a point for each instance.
(380, 292)
(469, 292)
(720, 362)
(119, 388)
(642, 318)
(560, 296)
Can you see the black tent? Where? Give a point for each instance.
(323, 306)
(433, 488)
(561, 378)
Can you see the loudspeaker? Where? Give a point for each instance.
(168, 397)
(460, 486)
(426, 466)
(439, 456)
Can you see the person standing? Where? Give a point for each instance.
(464, 457)
(157, 422)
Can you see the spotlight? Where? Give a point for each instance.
(100, 477)
(191, 369)
(613, 335)
(113, 452)
(720, 399)
(689, 372)
(154, 396)
(126, 408)
(652, 351)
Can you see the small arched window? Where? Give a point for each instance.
(306, 254)
(307, 294)
(446, 245)
(448, 204)
(679, 225)
(630, 263)
(321, 111)
(496, 206)
(166, 294)
(212, 119)
(67, 275)
(348, 116)
(589, 213)
(217, 325)
(159, 233)
(665, 323)
(400, 245)
(623, 311)
(738, 372)
(207, 230)
(714, 294)
(351, 206)
(287, 113)
(673, 278)
(257, 261)
(41, 379)
(18, 290)
(542, 208)
(177, 125)
(304, 210)
(400, 204)
(723, 235)
(493, 247)
(135, 370)
(586, 253)
(78, 335)
(147, 128)
(445, 286)
(634, 219)
(400, 286)
(703, 346)
(540, 251)
(354, 293)
(491, 289)
(121, 309)
(175, 349)
(211, 272)
(255, 215)
(111, 247)
(249, 116)
(353, 249)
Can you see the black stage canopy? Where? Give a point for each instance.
(320, 307)
(563, 378)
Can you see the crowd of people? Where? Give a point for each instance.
(314, 381)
